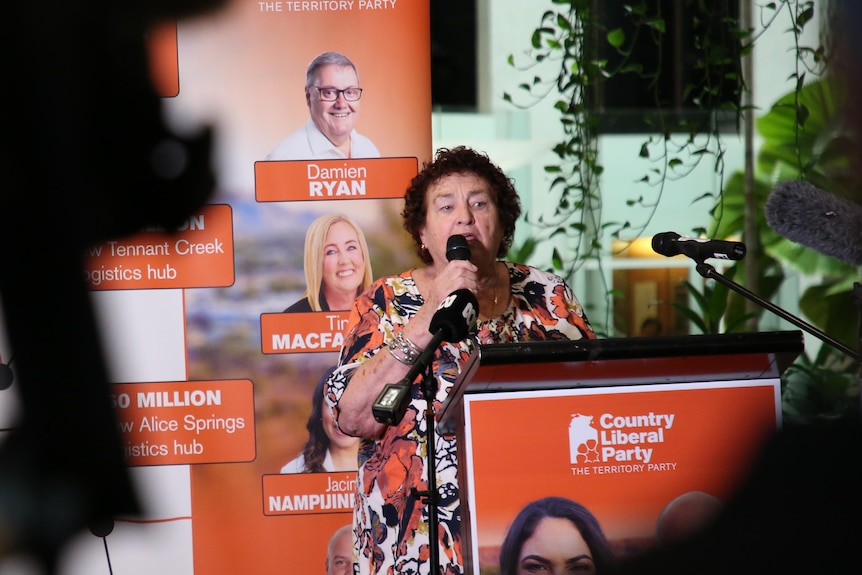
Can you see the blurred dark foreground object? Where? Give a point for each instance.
(86, 157)
(798, 511)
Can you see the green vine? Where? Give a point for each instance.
(573, 56)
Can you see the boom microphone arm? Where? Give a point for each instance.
(707, 271)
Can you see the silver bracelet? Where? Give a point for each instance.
(404, 350)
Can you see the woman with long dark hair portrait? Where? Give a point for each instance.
(555, 535)
(327, 448)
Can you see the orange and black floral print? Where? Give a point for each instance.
(391, 520)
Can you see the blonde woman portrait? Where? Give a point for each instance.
(337, 265)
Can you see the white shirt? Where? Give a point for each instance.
(297, 465)
(309, 143)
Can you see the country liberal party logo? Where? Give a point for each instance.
(583, 439)
(617, 438)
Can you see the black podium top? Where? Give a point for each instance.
(567, 364)
(786, 345)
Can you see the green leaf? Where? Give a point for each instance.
(563, 23)
(805, 16)
(644, 151)
(691, 316)
(657, 24)
(802, 114)
(536, 39)
(557, 260)
(632, 68)
(616, 37)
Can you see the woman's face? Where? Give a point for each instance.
(555, 548)
(461, 204)
(343, 260)
(336, 438)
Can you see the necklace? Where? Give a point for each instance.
(496, 286)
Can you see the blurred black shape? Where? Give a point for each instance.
(797, 511)
(83, 161)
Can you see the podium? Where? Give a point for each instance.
(622, 426)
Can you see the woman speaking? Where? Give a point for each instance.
(460, 193)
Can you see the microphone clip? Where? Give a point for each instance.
(391, 404)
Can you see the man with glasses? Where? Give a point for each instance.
(333, 95)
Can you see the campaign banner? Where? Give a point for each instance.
(309, 493)
(310, 332)
(622, 452)
(314, 221)
(299, 180)
(186, 422)
(199, 254)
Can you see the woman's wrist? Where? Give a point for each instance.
(403, 349)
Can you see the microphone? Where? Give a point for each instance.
(824, 222)
(457, 314)
(455, 318)
(457, 248)
(453, 321)
(6, 375)
(671, 244)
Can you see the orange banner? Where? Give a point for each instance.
(186, 422)
(294, 180)
(308, 493)
(302, 332)
(258, 95)
(198, 255)
(622, 452)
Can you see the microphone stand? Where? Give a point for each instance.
(390, 411)
(857, 299)
(707, 271)
(431, 496)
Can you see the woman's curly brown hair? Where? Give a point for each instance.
(461, 160)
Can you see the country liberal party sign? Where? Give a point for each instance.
(623, 452)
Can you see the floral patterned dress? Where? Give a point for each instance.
(390, 520)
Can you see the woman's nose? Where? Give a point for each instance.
(464, 215)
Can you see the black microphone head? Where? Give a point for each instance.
(665, 244)
(5, 376)
(456, 315)
(457, 248)
(824, 222)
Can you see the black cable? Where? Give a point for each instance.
(108, 556)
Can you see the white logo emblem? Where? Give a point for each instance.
(583, 439)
